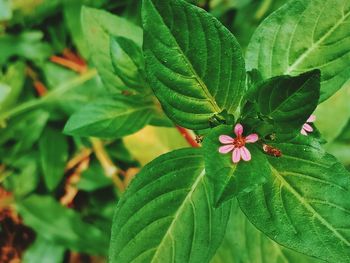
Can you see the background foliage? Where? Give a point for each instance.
(72, 71)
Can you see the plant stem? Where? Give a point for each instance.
(111, 171)
(188, 137)
(261, 12)
(53, 95)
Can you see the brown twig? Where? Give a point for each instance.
(110, 170)
(71, 190)
(40, 88)
(69, 64)
(67, 53)
(80, 157)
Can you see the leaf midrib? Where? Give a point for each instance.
(177, 214)
(204, 87)
(308, 207)
(315, 45)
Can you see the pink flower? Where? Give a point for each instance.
(307, 127)
(237, 145)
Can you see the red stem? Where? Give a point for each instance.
(188, 137)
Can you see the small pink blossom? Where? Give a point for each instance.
(307, 127)
(237, 145)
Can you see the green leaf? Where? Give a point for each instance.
(53, 148)
(166, 214)
(304, 35)
(11, 85)
(128, 62)
(28, 45)
(193, 63)
(228, 179)
(25, 176)
(159, 141)
(93, 178)
(5, 10)
(304, 205)
(288, 101)
(338, 105)
(61, 225)
(112, 117)
(44, 251)
(16, 135)
(98, 27)
(243, 243)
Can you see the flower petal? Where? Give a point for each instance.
(307, 127)
(303, 132)
(245, 153)
(239, 129)
(225, 139)
(226, 148)
(236, 155)
(251, 138)
(312, 118)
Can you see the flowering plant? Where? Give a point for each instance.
(175, 131)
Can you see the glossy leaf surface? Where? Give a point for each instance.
(303, 35)
(194, 64)
(304, 204)
(166, 214)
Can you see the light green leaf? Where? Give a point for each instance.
(98, 27)
(194, 64)
(228, 179)
(151, 142)
(25, 176)
(304, 205)
(61, 225)
(5, 10)
(338, 105)
(112, 117)
(53, 149)
(28, 45)
(243, 243)
(304, 35)
(166, 214)
(44, 251)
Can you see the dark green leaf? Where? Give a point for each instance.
(98, 26)
(61, 225)
(229, 179)
(128, 62)
(53, 148)
(111, 117)
(11, 85)
(304, 35)
(194, 64)
(16, 134)
(166, 215)
(304, 205)
(289, 101)
(94, 178)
